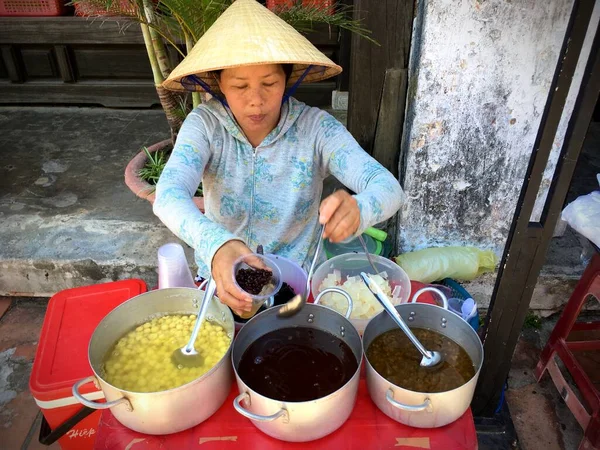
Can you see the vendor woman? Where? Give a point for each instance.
(262, 155)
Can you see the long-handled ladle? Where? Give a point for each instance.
(299, 300)
(187, 356)
(430, 358)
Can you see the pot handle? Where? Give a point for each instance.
(244, 412)
(337, 291)
(432, 289)
(425, 406)
(97, 405)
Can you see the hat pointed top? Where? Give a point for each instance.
(245, 34)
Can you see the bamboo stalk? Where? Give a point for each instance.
(156, 73)
(189, 44)
(167, 101)
(160, 50)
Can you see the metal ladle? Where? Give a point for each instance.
(430, 358)
(298, 301)
(187, 356)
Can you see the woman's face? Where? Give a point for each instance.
(254, 95)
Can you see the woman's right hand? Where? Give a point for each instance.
(222, 272)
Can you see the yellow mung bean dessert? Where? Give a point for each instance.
(141, 360)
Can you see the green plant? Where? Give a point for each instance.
(532, 321)
(180, 23)
(154, 166)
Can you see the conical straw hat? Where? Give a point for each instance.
(247, 33)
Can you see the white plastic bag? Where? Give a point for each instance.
(583, 215)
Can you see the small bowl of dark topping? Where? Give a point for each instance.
(259, 277)
(285, 294)
(293, 281)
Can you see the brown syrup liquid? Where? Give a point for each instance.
(397, 360)
(297, 364)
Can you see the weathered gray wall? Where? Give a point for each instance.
(538, 208)
(480, 74)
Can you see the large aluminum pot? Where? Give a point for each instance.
(167, 411)
(422, 409)
(297, 421)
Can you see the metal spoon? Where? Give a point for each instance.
(364, 246)
(430, 358)
(298, 301)
(187, 356)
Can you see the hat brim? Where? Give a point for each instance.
(189, 84)
(249, 34)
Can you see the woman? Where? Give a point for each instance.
(261, 155)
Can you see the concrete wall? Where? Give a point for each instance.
(480, 75)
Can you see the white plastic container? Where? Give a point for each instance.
(291, 272)
(173, 268)
(350, 265)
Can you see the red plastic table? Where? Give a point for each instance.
(367, 428)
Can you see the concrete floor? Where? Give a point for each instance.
(68, 220)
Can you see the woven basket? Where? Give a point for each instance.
(31, 7)
(326, 5)
(118, 8)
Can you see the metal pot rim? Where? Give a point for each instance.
(229, 318)
(422, 306)
(306, 402)
(309, 305)
(312, 305)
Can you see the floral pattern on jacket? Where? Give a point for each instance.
(270, 194)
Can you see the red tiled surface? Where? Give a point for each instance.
(19, 333)
(22, 324)
(526, 403)
(34, 443)
(5, 303)
(17, 417)
(540, 417)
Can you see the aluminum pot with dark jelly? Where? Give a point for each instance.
(303, 420)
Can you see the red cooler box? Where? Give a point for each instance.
(62, 358)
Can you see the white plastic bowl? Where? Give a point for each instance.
(351, 264)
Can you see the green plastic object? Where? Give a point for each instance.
(375, 247)
(376, 234)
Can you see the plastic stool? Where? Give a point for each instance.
(589, 418)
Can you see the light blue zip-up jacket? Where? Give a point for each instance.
(270, 194)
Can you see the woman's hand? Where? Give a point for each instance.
(222, 272)
(341, 215)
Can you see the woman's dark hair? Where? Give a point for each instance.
(287, 70)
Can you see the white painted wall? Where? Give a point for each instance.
(480, 74)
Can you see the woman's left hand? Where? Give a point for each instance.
(341, 214)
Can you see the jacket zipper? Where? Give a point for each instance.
(252, 193)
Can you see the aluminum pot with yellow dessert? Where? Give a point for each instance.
(130, 354)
